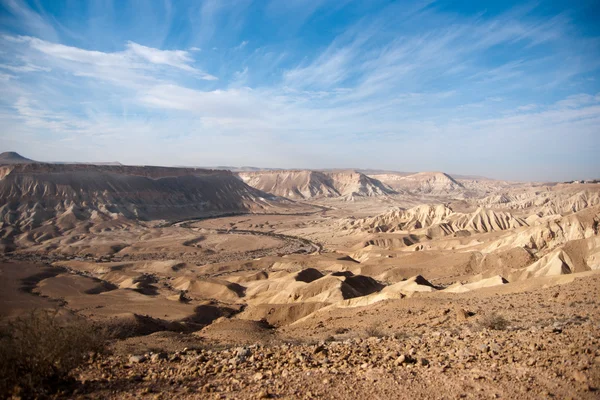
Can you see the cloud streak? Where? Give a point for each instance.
(403, 88)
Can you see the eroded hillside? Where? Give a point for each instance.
(203, 255)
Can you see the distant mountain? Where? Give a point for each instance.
(46, 190)
(115, 163)
(422, 182)
(383, 171)
(11, 157)
(305, 184)
(471, 177)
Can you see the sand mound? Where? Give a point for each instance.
(328, 289)
(414, 284)
(555, 263)
(217, 289)
(68, 285)
(237, 331)
(504, 261)
(161, 267)
(280, 314)
(284, 289)
(483, 283)
(308, 275)
(255, 276)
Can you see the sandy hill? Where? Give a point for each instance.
(11, 157)
(435, 183)
(304, 184)
(31, 194)
(301, 184)
(418, 217)
(440, 219)
(561, 199)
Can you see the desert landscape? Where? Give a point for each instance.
(307, 283)
(299, 199)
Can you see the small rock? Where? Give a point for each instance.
(461, 315)
(244, 352)
(258, 376)
(318, 349)
(579, 377)
(157, 357)
(137, 359)
(404, 359)
(400, 360)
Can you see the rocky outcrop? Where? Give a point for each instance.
(70, 196)
(434, 183)
(306, 184)
(438, 219)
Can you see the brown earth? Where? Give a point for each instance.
(388, 295)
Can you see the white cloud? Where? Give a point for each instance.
(328, 70)
(527, 107)
(25, 68)
(102, 64)
(366, 97)
(174, 58)
(30, 20)
(578, 100)
(6, 77)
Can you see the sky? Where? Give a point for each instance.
(507, 90)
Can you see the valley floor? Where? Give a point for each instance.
(395, 296)
(428, 348)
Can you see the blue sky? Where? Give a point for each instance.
(500, 89)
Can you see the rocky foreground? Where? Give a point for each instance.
(561, 360)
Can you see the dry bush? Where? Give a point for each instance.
(493, 321)
(401, 336)
(374, 331)
(37, 352)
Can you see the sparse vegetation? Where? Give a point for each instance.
(375, 331)
(38, 351)
(401, 335)
(493, 321)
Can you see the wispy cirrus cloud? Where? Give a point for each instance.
(402, 87)
(24, 68)
(133, 57)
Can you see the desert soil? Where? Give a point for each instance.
(390, 286)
